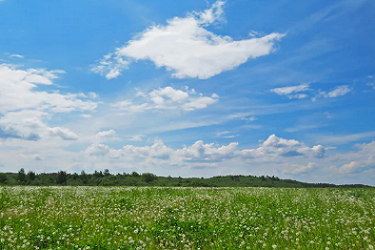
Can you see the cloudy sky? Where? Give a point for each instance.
(189, 88)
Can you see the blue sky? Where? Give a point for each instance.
(191, 88)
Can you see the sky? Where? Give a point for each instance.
(189, 88)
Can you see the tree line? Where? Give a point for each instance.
(105, 178)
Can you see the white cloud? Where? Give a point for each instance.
(344, 139)
(86, 115)
(93, 95)
(249, 119)
(361, 161)
(274, 149)
(158, 95)
(107, 135)
(19, 90)
(223, 133)
(168, 98)
(16, 56)
(156, 151)
(213, 14)
(24, 124)
(278, 147)
(23, 106)
(110, 66)
(34, 157)
(297, 96)
(292, 89)
(338, 91)
(293, 92)
(136, 138)
(28, 125)
(97, 150)
(200, 152)
(64, 133)
(186, 48)
(299, 169)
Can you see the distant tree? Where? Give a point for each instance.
(75, 176)
(263, 178)
(21, 176)
(31, 175)
(98, 174)
(148, 177)
(135, 174)
(106, 172)
(84, 177)
(3, 178)
(61, 177)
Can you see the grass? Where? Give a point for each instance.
(186, 218)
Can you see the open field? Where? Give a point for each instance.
(186, 218)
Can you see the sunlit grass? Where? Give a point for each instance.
(186, 218)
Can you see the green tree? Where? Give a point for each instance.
(31, 175)
(3, 178)
(135, 174)
(61, 177)
(98, 174)
(106, 172)
(84, 177)
(148, 177)
(21, 177)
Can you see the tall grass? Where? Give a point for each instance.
(186, 218)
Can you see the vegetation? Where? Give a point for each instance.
(185, 218)
(99, 178)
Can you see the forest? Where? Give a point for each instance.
(105, 178)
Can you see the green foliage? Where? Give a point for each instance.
(99, 178)
(148, 177)
(3, 178)
(31, 176)
(61, 178)
(21, 176)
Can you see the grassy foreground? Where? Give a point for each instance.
(186, 218)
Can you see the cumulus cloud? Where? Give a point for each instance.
(361, 161)
(168, 98)
(28, 125)
(200, 152)
(185, 47)
(63, 133)
(274, 149)
(23, 106)
(107, 135)
(18, 90)
(158, 150)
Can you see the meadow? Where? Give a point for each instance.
(186, 218)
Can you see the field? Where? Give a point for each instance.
(186, 218)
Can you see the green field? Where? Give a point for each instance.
(186, 218)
